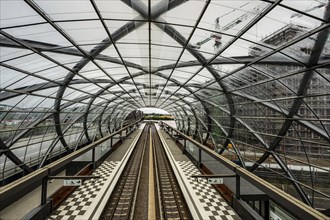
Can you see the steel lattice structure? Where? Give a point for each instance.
(71, 71)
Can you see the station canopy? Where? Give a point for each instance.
(250, 79)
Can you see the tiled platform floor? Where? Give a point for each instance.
(75, 206)
(207, 202)
(206, 199)
(212, 204)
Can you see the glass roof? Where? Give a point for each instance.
(254, 74)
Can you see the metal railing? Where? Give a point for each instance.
(13, 191)
(294, 206)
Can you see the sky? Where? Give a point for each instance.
(153, 110)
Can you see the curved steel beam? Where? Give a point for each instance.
(53, 144)
(14, 158)
(306, 123)
(177, 111)
(181, 40)
(100, 121)
(196, 132)
(50, 149)
(202, 101)
(183, 129)
(188, 122)
(15, 138)
(88, 109)
(209, 124)
(191, 109)
(124, 110)
(249, 128)
(205, 63)
(207, 127)
(177, 120)
(320, 41)
(53, 48)
(185, 45)
(41, 86)
(238, 153)
(309, 125)
(185, 87)
(109, 116)
(234, 61)
(76, 68)
(179, 115)
(68, 78)
(121, 32)
(277, 50)
(110, 37)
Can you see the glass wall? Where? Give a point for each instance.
(250, 79)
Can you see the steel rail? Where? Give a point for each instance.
(122, 201)
(170, 198)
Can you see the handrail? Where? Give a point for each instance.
(286, 201)
(9, 191)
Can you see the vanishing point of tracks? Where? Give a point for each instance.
(147, 188)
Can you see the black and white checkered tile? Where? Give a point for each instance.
(214, 206)
(79, 201)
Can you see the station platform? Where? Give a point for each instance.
(203, 200)
(81, 202)
(89, 199)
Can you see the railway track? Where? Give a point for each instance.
(131, 197)
(122, 201)
(170, 198)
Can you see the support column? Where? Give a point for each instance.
(188, 131)
(238, 187)
(44, 190)
(199, 158)
(93, 158)
(184, 146)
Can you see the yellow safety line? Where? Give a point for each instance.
(151, 198)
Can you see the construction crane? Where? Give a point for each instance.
(309, 9)
(216, 36)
